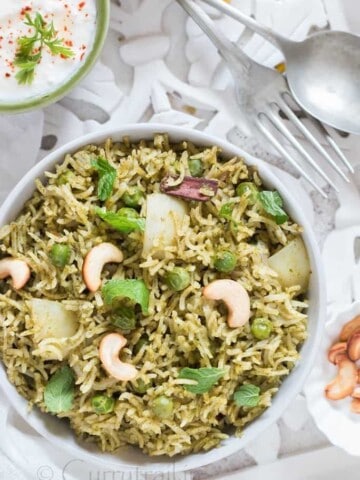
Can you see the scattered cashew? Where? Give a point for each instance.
(95, 261)
(353, 346)
(235, 297)
(356, 392)
(109, 350)
(18, 270)
(335, 351)
(349, 328)
(355, 405)
(344, 383)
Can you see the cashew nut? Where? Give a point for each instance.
(345, 381)
(95, 261)
(355, 405)
(109, 350)
(18, 270)
(356, 392)
(335, 351)
(349, 328)
(235, 297)
(353, 346)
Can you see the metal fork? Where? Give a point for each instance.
(263, 93)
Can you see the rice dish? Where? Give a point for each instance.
(198, 379)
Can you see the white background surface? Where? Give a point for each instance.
(161, 65)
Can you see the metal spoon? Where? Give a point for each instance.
(323, 71)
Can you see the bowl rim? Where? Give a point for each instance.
(24, 189)
(43, 100)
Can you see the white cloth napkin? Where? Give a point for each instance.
(20, 140)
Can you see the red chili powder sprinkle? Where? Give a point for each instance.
(81, 5)
(7, 75)
(69, 43)
(82, 56)
(25, 10)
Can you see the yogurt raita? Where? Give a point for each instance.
(74, 27)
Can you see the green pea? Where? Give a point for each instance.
(249, 189)
(133, 197)
(141, 387)
(177, 279)
(261, 328)
(142, 342)
(128, 212)
(196, 167)
(225, 261)
(65, 177)
(102, 404)
(226, 211)
(60, 254)
(162, 407)
(124, 318)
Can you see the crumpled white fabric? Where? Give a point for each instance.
(20, 140)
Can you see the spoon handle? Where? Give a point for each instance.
(235, 57)
(278, 40)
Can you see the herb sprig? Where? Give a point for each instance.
(30, 49)
(247, 395)
(206, 378)
(272, 203)
(107, 177)
(60, 391)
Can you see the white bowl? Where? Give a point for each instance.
(333, 418)
(57, 432)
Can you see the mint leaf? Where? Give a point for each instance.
(247, 396)
(124, 318)
(121, 223)
(107, 176)
(206, 378)
(135, 290)
(59, 391)
(272, 204)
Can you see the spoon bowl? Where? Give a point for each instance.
(324, 76)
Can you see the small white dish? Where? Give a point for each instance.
(333, 418)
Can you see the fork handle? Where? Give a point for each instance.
(278, 40)
(234, 57)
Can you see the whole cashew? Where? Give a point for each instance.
(355, 405)
(18, 270)
(95, 261)
(235, 297)
(335, 351)
(356, 392)
(353, 346)
(344, 383)
(109, 350)
(349, 328)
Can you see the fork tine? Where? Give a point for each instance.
(331, 142)
(291, 116)
(290, 137)
(285, 153)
